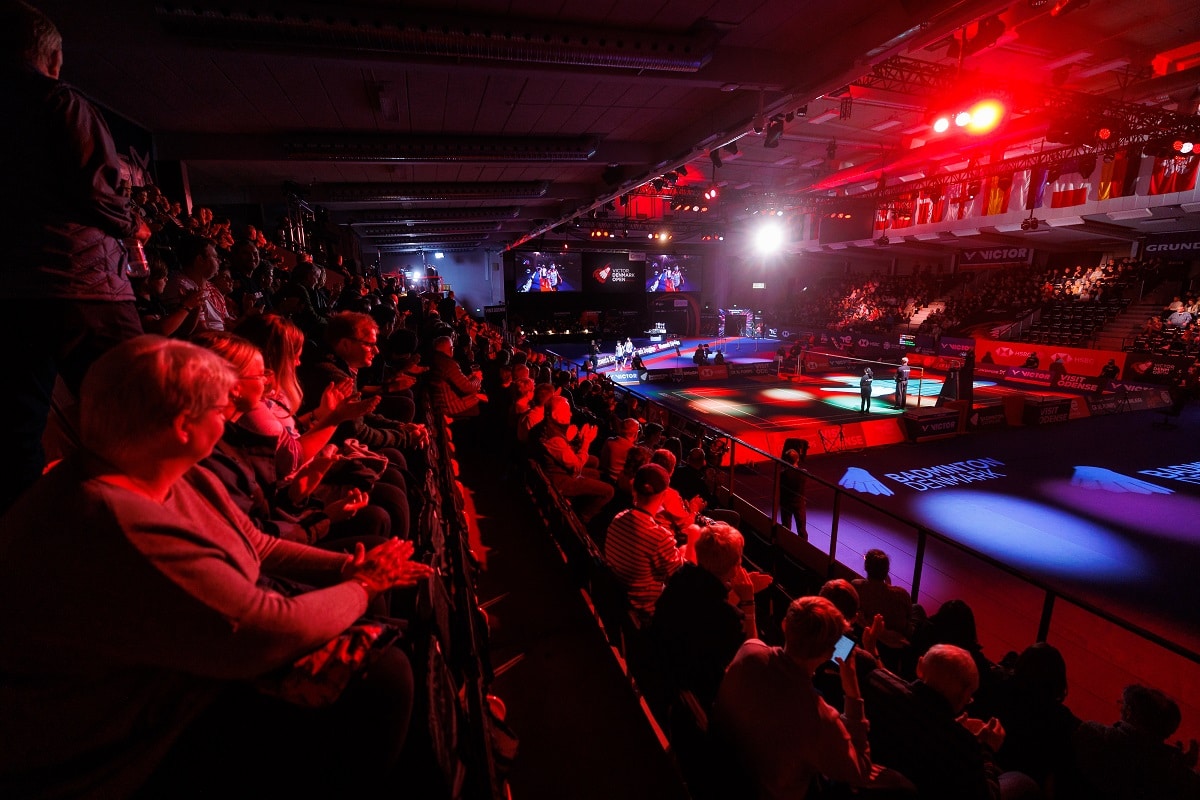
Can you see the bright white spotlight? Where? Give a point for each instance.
(768, 239)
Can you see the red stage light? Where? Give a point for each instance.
(962, 118)
(941, 124)
(1104, 134)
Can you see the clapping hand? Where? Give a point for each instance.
(340, 402)
(347, 506)
(387, 566)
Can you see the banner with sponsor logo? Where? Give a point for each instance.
(955, 348)
(1145, 367)
(1169, 244)
(712, 372)
(923, 424)
(1045, 410)
(994, 256)
(1077, 360)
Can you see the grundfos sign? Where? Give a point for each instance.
(1167, 243)
(990, 256)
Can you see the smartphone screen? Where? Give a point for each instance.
(843, 647)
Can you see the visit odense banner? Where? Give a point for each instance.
(1078, 360)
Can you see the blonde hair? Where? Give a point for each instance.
(281, 342)
(812, 626)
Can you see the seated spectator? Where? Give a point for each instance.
(637, 457)
(954, 623)
(1131, 757)
(1037, 725)
(154, 315)
(1179, 319)
(642, 553)
(562, 450)
(688, 478)
(459, 391)
(676, 513)
(161, 653)
(198, 264)
(616, 448)
(783, 734)
(705, 613)
(876, 595)
(916, 728)
(353, 344)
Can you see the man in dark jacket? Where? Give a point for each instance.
(62, 219)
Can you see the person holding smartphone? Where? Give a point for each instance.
(784, 732)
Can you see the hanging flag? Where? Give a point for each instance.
(1112, 175)
(1174, 174)
(1038, 177)
(999, 190)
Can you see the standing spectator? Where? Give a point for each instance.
(63, 218)
(864, 387)
(792, 483)
(902, 373)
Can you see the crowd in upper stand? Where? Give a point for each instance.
(878, 303)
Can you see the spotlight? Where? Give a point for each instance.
(802, 111)
(715, 157)
(883, 240)
(658, 184)
(711, 193)
(962, 118)
(731, 148)
(682, 170)
(1104, 134)
(769, 238)
(671, 177)
(1181, 146)
(941, 124)
(760, 123)
(831, 149)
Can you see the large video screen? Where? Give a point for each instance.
(547, 272)
(611, 273)
(668, 272)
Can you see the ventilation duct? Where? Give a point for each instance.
(428, 215)
(426, 230)
(439, 148)
(420, 238)
(362, 31)
(414, 248)
(428, 192)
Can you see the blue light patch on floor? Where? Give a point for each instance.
(1031, 534)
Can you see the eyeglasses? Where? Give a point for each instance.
(265, 375)
(373, 343)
